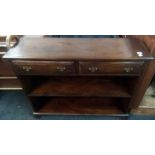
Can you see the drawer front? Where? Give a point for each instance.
(44, 67)
(128, 68)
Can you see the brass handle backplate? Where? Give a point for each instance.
(27, 68)
(61, 68)
(93, 69)
(128, 69)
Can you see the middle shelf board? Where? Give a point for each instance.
(83, 86)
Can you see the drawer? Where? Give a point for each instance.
(44, 67)
(110, 67)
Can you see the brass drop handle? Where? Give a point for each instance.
(93, 69)
(27, 68)
(61, 68)
(128, 69)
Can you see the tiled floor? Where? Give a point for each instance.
(15, 106)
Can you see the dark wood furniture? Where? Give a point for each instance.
(8, 79)
(146, 107)
(82, 75)
(148, 40)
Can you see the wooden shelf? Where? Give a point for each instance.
(10, 84)
(79, 86)
(69, 106)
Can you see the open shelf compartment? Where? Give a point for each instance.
(70, 106)
(79, 86)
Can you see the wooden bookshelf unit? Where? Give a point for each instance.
(82, 75)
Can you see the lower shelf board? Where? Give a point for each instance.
(81, 106)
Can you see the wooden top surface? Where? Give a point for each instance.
(78, 49)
